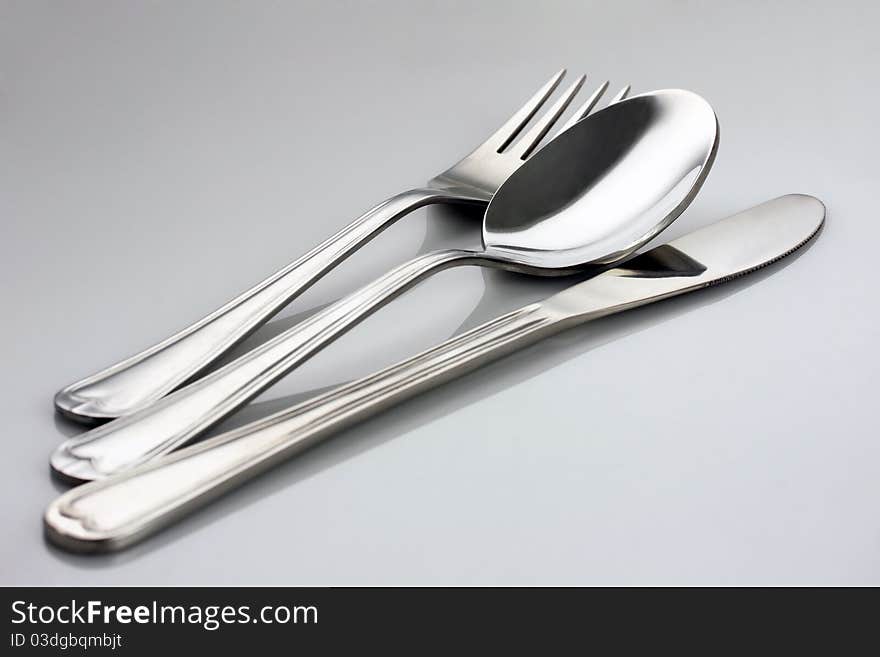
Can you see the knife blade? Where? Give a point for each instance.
(717, 253)
(114, 512)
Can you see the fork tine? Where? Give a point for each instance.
(620, 95)
(512, 127)
(584, 109)
(530, 140)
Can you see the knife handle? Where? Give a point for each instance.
(108, 514)
(142, 379)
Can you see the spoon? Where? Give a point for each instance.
(591, 197)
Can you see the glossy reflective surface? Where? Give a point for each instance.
(177, 419)
(618, 181)
(118, 511)
(147, 376)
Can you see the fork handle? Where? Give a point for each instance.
(176, 419)
(140, 380)
(111, 513)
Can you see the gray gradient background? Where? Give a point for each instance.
(156, 158)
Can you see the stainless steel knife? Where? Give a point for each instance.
(112, 513)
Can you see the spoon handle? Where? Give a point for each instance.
(149, 375)
(111, 513)
(178, 418)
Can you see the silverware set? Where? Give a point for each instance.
(607, 183)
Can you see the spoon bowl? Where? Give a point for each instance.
(606, 187)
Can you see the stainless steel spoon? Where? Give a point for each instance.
(589, 198)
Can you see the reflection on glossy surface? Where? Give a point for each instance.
(553, 173)
(117, 511)
(664, 261)
(644, 160)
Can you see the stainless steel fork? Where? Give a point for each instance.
(140, 380)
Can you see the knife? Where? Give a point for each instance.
(112, 513)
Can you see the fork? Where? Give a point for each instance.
(140, 380)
